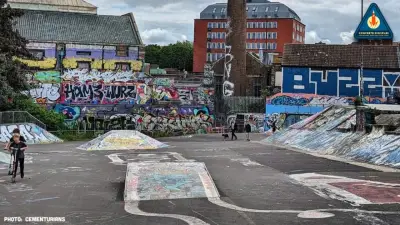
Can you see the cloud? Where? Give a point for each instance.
(312, 37)
(161, 37)
(166, 21)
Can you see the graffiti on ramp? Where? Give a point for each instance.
(122, 140)
(31, 132)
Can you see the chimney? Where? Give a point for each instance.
(235, 52)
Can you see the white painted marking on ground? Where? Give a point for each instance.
(42, 199)
(321, 186)
(219, 202)
(18, 187)
(246, 162)
(369, 219)
(315, 215)
(115, 159)
(133, 208)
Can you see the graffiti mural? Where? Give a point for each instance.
(44, 93)
(31, 132)
(282, 120)
(256, 121)
(317, 100)
(339, 82)
(228, 86)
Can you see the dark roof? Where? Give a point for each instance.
(47, 26)
(262, 9)
(347, 56)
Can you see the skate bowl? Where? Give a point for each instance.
(31, 132)
(323, 134)
(170, 180)
(122, 140)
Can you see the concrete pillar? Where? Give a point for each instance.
(235, 52)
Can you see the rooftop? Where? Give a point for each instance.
(79, 28)
(255, 9)
(347, 56)
(55, 5)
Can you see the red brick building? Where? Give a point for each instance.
(270, 25)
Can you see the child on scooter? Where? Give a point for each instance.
(15, 131)
(19, 155)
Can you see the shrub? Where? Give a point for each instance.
(52, 119)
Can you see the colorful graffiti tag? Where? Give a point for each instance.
(339, 82)
(31, 132)
(317, 100)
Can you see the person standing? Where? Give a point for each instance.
(248, 130)
(233, 128)
(19, 156)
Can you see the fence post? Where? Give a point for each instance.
(13, 114)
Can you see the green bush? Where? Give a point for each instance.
(52, 119)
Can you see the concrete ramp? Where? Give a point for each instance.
(31, 132)
(122, 140)
(157, 181)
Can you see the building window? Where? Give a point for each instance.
(258, 35)
(251, 24)
(247, 9)
(266, 9)
(208, 44)
(264, 45)
(223, 45)
(215, 57)
(223, 35)
(209, 25)
(223, 10)
(248, 35)
(274, 46)
(84, 65)
(214, 10)
(255, 9)
(122, 66)
(208, 34)
(255, 25)
(254, 45)
(301, 29)
(264, 35)
(209, 57)
(274, 35)
(247, 46)
(83, 53)
(37, 54)
(277, 9)
(122, 51)
(275, 24)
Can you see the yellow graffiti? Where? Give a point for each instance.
(47, 63)
(135, 65)
(72, 63)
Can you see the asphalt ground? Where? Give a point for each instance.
(86, 188)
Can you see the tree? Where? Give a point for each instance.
(152, 54)
(178, 55)
(12, 44)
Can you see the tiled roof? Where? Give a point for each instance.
(66, 27)
(347, 56)
(255, 9)
(75, 3)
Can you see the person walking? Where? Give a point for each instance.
(233, 128)
(248, 130)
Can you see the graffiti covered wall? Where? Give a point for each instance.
(99, 90)
(31, 132)
(339, 82)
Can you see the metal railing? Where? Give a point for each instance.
(245, 104)
(14, 117)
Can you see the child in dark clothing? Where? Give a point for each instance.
(19, 156)
(15, 131)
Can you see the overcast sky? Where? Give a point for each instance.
(167, 21)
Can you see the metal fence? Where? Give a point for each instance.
(13, 117)
(245, 104)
